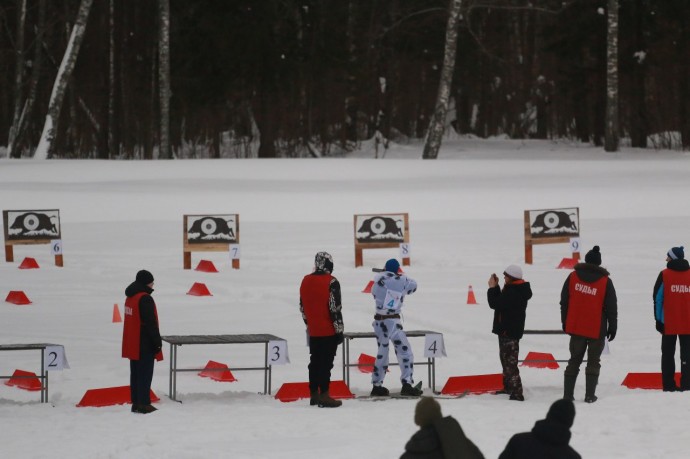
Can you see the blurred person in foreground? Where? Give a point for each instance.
(438, 437)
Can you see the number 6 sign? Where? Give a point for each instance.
(54, 358)
(277, 353)
(434, 346)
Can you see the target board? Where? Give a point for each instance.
(32, 227)
(379, 231)
(551, 226)
(210, 233)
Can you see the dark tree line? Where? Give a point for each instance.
(283, 78)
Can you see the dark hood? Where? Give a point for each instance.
(551, 432)
(589, 272)
(135, 287)
(521, 288)
(678, 265)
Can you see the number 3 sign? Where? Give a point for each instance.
(54, 358)
(277, 353)
(434, 346)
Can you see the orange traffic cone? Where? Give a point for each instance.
(116, 314)
(367, 289)
(470, 297)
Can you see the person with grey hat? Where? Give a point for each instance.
(438, 436)
(141, 340)
(321, 307)
(549, 438)
(510, 311)
(589, 314)
(671, 298)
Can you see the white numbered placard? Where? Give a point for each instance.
(575, 244)
(56, 246)
(278, 353)
(434, 346)
(392, 300)
(234, 251)
(405, 250)
(54, 358)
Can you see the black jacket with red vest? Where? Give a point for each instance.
(591, 273)
(320, 304)
(148, 340)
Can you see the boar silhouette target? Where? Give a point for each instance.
(32, 224)
(210, 228)
(380, 228)
(555, 222)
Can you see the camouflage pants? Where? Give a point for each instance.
(508, 351)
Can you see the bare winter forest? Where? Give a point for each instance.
(287, 78)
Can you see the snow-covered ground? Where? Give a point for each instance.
(466, 221)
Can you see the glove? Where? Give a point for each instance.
(660, 327)
(339, 338)
(611, 333)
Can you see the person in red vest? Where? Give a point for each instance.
(672, 313)
(320, 304)
(141, 340)
(589, 314)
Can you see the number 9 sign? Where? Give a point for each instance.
(575, 244)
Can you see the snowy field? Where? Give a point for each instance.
(466, 221)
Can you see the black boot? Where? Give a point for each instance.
(379, 391)
(325, 401)
(569, 387)
(591, 387)
(314, 397)
(410, 391)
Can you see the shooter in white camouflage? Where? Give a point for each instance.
(389, 292)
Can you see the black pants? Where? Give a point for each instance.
(140, 377)
(668, 361)
(322, 350)
(578, 346)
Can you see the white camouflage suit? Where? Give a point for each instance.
(389, 291)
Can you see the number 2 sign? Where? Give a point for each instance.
(54, 358)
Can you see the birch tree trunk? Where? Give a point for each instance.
(611, 134)
(64, 72)
(164, 78)
(437, 124)
(18, 75)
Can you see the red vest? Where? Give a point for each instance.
(676, 302)
(131, 330)
(315, 294)
(585, 306)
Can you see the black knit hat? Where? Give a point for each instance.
(144, 277)
(676, 253)
(593, 256)
(563, 412)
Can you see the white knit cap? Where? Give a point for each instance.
(514, 271)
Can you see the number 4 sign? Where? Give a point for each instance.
(277, 353)
(54, 358)
(434, 346)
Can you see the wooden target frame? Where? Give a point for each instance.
(203, 246)
(385, 219)
(11, 239)
(558, 231)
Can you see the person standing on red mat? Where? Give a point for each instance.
(141, 340)
(672, 313)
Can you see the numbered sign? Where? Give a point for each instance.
(392, 300)
(56, 246)
(575, 244)
(234, 251)
(405, 250)
(54, 358)
(434, 346)
(278, 353)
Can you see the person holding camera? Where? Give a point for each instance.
(320, 304)
(510, 306)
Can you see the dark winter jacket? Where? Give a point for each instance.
(150, 341)
(675, 265)
(443, 439)
(589, 272)
(547, 440)
(509, 305)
